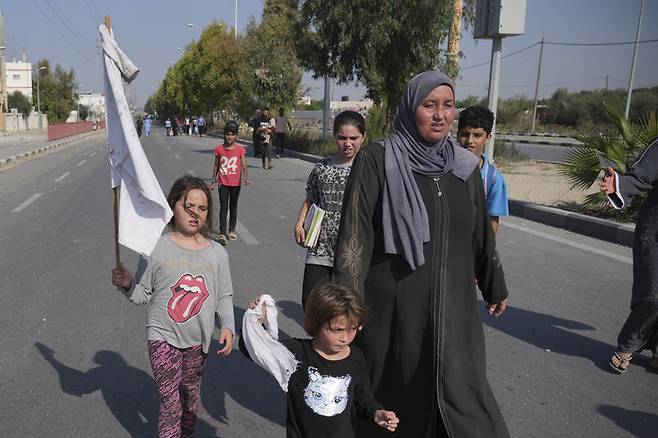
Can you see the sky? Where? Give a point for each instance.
(150, 31)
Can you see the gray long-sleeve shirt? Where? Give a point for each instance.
(185, 289)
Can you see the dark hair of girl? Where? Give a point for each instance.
(181, 187)
(350, 117)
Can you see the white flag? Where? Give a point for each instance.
(143, 208)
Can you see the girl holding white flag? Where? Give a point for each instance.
(187, 283)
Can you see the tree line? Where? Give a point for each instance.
(570, 111)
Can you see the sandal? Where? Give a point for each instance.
(222, 240)
(232, 235)
(620, 368)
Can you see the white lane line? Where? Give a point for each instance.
(588, 248)
(93, 155)
(190, 172)
(176, 156)
(27, 202)
(81, 163)
(62, 177)
(100, 149)
(248, 238)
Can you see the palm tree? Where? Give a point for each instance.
(583, 164)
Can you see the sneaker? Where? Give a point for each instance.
(232, 235)
(278, 156)
(222, 240)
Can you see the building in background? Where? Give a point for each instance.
(18, 77)
(95, 102)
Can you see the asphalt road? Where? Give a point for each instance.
(73, 354)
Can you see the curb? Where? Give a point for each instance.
(597, 228)
(14, 158)
(601, 229)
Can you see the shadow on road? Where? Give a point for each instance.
(551, 333)
(245, 382)
(292, 310)
(129, 392)
(640, 424)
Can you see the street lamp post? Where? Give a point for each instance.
(39, 97)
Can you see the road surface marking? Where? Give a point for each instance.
(62, 177)
(92, 155)
(27, 202)
(190, 172)
(248, 238)
(176, 156)
(602, 252)
(81, 163)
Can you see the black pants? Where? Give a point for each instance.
(201, 130)
(314, 275)
(228, 200)
(279, 141)
(266, 152)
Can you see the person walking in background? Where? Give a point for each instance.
(230, 172)
(267, 124)
(168, 126)
(640, 331)
(254, 124)
(473, 133)
(201, 123)
(414, 232)
(147, 125)
(138, 126)
(281, 131)
(187, 283)
(325, 188)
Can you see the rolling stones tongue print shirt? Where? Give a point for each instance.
(188, 296)
(187, 291)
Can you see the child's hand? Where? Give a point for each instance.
(300, 234)
(226, 338)
(211, 186)
(121, 277)
(263, 309)
(247, 182)
(386, 419)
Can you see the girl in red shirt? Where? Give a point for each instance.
(230, 171)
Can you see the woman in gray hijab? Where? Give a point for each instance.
(414, 235)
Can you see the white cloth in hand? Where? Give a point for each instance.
(263, 345)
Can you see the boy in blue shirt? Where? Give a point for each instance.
(473, 133)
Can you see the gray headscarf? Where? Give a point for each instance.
(405, 221)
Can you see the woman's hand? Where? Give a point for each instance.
(386, 419)
(498, 308)
(121, 277)
(608, 182)
(300, 234)
(226, 338)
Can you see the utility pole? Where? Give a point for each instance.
(494, 82)
(454, 38)
(630, 79)
(534, 107)
(606, 82)
(3, 79)
(326, 113)
(235, 21)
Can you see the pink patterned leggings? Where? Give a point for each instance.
(178, 374)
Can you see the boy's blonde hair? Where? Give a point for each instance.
(330, 300)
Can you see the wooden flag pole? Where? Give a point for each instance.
(115, 191)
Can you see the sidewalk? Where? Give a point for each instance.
(23, 147)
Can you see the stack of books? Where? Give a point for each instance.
(312, 225)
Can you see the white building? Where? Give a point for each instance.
(19, 77)
(95, 102)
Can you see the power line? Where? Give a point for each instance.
(502, 57)
(94, 17)
(62, 18)
(600, 44)
(60, 32)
